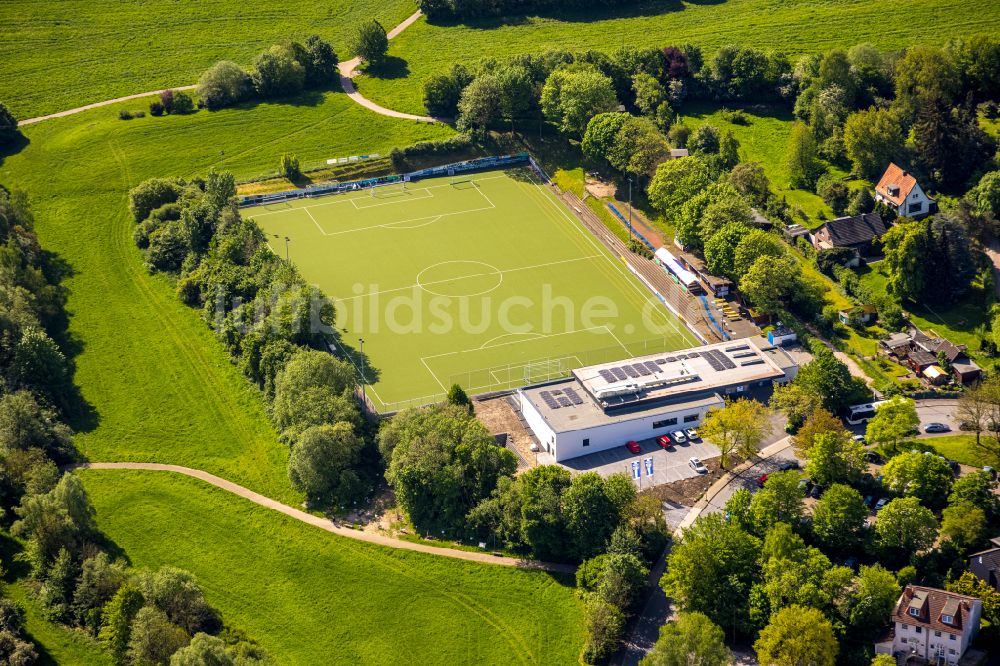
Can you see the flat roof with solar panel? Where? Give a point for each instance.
(602, 406)
(712, 368)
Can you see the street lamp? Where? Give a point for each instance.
(364, 395)
(286, 244)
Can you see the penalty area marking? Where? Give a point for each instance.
(424, 359)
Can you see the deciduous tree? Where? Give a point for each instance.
(738, 428)
(323, 464)
(904, 525)
(839, 517)
(797, 636)
(370, 42)
(572, 96)
(923, 476)
(690, 639)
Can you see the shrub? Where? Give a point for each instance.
(737, 117)
(638, 247)
(139, 114)
(289, 166)
(125, 114)
(156, 109)
(182, 103)
(167, 100)
(277, 73)
(678, 135)
(223, 84)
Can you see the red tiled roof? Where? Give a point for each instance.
(894, 175)
(932, 603)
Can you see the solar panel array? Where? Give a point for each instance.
(606, 375)
(549, 400)
(573, 396)
(619, 374)
(718, 360)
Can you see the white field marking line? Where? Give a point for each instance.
(589, 237)
(480, 190)
(427, 195)
(433, 374)
(350, 357)
(413, 219)
(338, 198)
(314, 221)
(549, 375)
(430, 221)
(464, 277)
(518, 342)
(504, 335)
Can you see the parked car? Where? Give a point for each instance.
(879, 505)
(815, 492)
(992, 472)
(788, 465)
(533, 447)
(633, 446)
(873, 457)
(936, 427)
(869, 500)
(692, 434)
(851, 563)
(859, 438)
(665, 442)
(679, 436)
(761, 480)
(805, 485)
(697, 465)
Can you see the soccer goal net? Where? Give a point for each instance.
(463, 183)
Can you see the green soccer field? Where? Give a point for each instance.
(488, 282)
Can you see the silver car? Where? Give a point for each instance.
(697, 465)
(936, 427)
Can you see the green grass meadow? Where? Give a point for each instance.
(791, 26)
(61, 54)
(491, 284)
(310, 597)
(159, 386)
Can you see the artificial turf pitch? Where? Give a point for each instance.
(488, 282)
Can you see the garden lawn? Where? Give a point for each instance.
(310, 597)
(791, 26)
(60, 54)
(159, 386)
(765, 140)
(961, 448)
(956, 323)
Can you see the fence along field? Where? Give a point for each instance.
(483, 280)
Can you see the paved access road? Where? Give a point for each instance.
(328, 525)
(668, 466)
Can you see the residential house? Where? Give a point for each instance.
(855, 233)
(986, 564)
(932, 625)
(964, 368)
(922, 352)
(899, 190)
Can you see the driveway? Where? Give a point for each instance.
(747, 478)
(668, 466)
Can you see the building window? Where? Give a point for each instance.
(915, 612)
(951, 650)
(690, 418)
(664, 423)
(937, 634)
(903, 641)
(920, 630)
(947, 619)
(915, 207)
(586, 441)
(951, 637)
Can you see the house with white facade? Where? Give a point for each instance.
(899, 190)
(603, 406)
(934, 626)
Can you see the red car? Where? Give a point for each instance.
(632, 446)
(665, 442)
(761, 480)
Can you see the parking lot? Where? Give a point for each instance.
(668, 466)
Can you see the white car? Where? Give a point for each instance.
(692, 434)
(698, 466)
(679, 436)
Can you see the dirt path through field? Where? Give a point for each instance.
(328, 525)
(347, 72)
